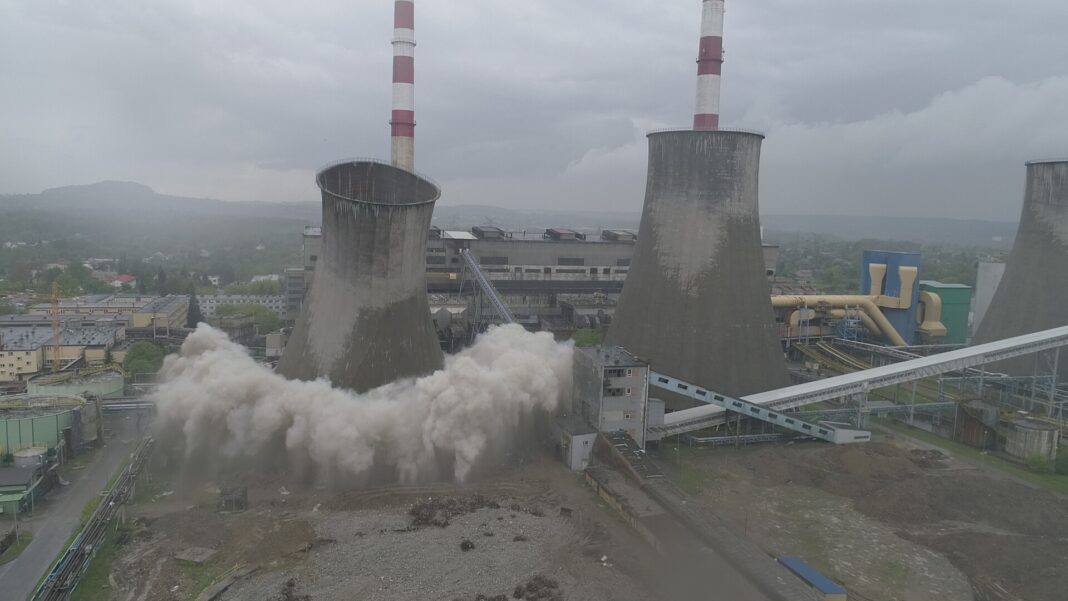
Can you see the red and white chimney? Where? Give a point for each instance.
(709, 66)
(402, 121)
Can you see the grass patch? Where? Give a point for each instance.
(16, 549)
(1054, 482)
(90, 507)
(96, 576)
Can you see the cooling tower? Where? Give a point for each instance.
(1033, 293)
(696, 301)
(366, 320)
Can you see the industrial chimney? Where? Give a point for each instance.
(366, 321)
(402, 121)
(696, 301)
(1033, 293)
(709, 66)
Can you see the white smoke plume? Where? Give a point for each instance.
(218, 397)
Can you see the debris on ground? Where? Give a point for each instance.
(539, 588)
(439, 511)
(466, 545)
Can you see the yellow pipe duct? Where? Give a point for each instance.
(838, 301)
(930, 314)
(869, 324)
(907, 276)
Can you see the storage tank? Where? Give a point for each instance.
(103, 384)
(31, 457)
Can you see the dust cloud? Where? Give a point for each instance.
(216, 397)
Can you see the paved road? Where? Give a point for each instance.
(60, 514)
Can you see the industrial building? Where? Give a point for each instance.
(210, 303)
(611, 387)
(152, 313)
(37, 434)
(27, 346)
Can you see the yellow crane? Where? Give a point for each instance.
(55, 326)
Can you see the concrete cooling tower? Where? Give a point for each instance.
(696, 301)
(366, 320)
(1033, 293)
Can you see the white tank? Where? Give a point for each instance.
(31, 457)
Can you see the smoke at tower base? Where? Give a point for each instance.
(218, 398)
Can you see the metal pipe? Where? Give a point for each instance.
(865, 303)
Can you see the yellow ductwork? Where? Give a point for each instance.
(863, 303)
(930, 314)
(906, 275)
(869, 324)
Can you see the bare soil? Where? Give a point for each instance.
(893, 521)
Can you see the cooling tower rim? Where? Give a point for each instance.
(728, 130)
(385, 164)
(1045, 161)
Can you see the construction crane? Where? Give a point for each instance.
(55, 326)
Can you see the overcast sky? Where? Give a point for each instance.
(924, 107)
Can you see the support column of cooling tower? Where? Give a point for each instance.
(1033, 293)
(402, 121)
(696, 303)
(709, 66)
(366, 321)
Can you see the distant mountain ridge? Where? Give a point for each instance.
(133, 198)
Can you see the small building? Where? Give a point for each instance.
(487, 232)
(956, 307)
(573, 441)
(619, 236)
(611, 388)
(275, 343)
(240, 328)
(19, 488)
(1026, 437)
(560, 233)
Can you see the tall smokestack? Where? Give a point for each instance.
(709, 66)
(1033, 293)
(402, 121)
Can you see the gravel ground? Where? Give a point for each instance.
(375, 557)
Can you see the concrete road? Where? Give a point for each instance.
(59, 516)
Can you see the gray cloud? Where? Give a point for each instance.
(869, 107)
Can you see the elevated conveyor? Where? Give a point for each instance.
(861, 382)
(487, 287)
(792, 421)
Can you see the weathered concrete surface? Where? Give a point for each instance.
(696, 301)
(1033, 294)
(366, 320)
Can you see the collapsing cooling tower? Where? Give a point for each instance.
(696, 301)
(366, 320)
(1033, 293)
